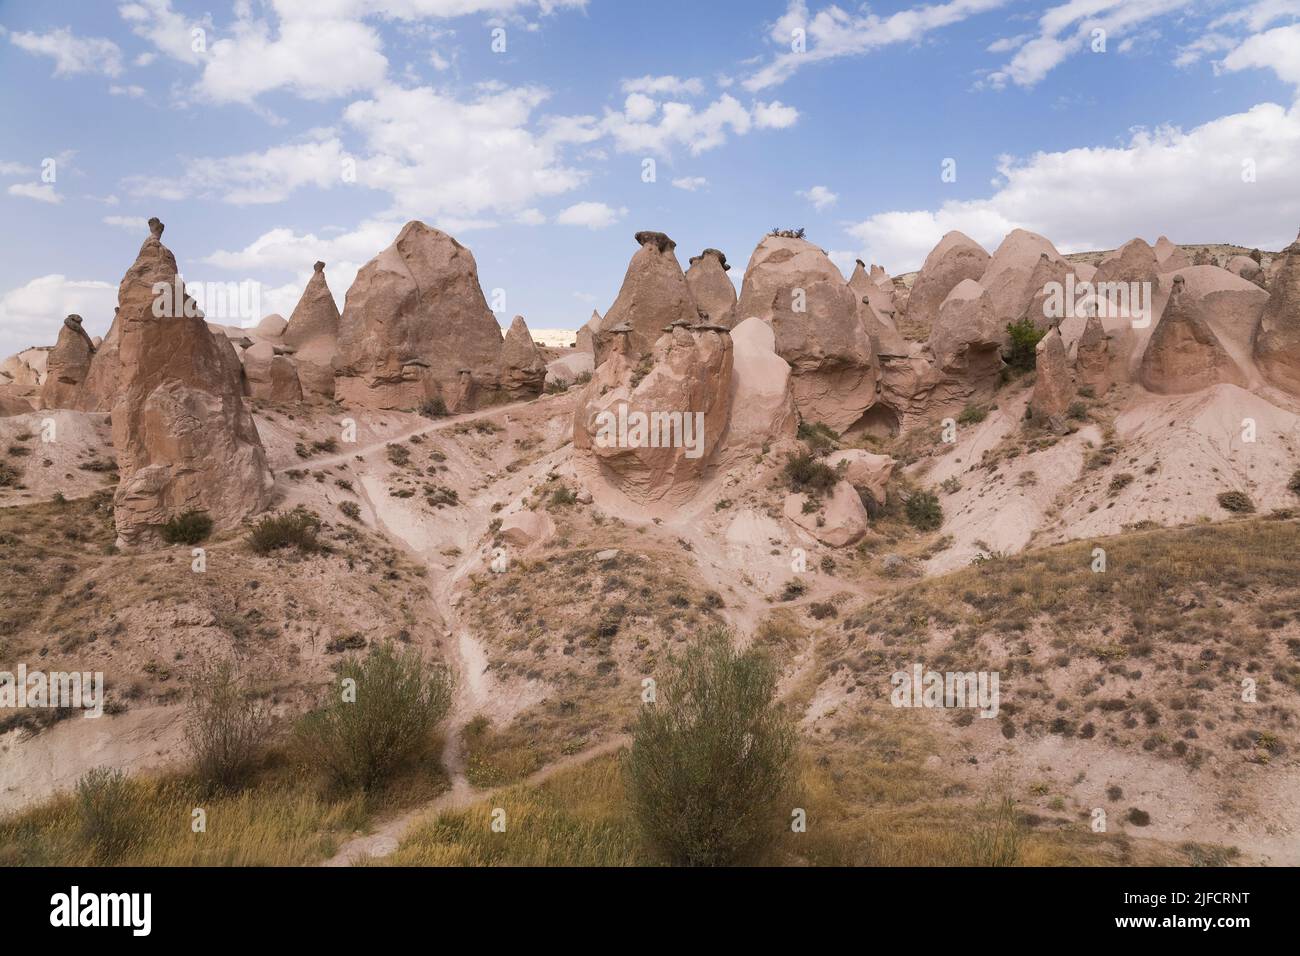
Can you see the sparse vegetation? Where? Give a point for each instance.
(1025, 336)
(226, 726)
(924, 511)
(711, 757)
(190, 527)
(808, 474)
(1238, 502)
(434, 408)
(295, 529)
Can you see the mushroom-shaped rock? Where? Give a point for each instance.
(956, 258)
(712, 291)
(313, 334)
(863, 469)
(762, 401)
(1009, 276)
(523, 367)
(1277, 342)
(651, 427)
(526, 528)
(654, 294)
(413, 319)
(67, 366)
(794, 287)
(840, 521)
(1053, 384)
(183, 437)
(1184, 354)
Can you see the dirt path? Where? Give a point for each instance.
(386, 838)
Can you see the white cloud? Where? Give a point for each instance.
(170, 32)
(1257, 16)
(1068, 29)
(691, 183)
(645, 126)
(41, 192)
(13, 169)
(31, 314)
(1207, 44)
(530, 217)
(664, 86)
(137, 224)
(819, 196)
(1187, 185)
(592, 215)
(131, 90)
(72, 54)
(833, 33)
(1277, 50)
(774, 115)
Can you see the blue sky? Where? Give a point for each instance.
(238, 124)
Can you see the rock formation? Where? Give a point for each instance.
(794, 287)
(653, 296)
(1092, 359)
(762, 400)
(966, 338)
(1277, 341)
(523, 367)
(1009, 277)
(413, 320)
(1047, 282)
(862, 469)
(1053, 385)
(1184, 354)
(957, 257)
(67, 366)
(587, 334)
(651, 427)
(99, 390)
(313, 333)
(877, 312)
(839, 522)
(270, 375)
(182, 435)
(1169, 257)
(1135, 261)
(714, 295)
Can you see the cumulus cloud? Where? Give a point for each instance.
(664, 86)
(41, 192)
(30, 314)
(1277, 50)
(819, 196)
(72, 54)
(592, 215)
(1188, 185)
(647, 126)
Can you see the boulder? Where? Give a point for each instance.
(838, 522)
(862, 469)
(794, 287)
(523, 367)
(313, 334)
(1184, 354)
(10, 402)
(1277, 341)
(762, 399)
(67, 366)
(653, 296)
(1009, 276)
(956, 258)
(1053, 384)
(413, 320)
(567, 369)
(714, 295)
(271, 327)
(183, 437)
(652, 429)
(1092, 359)
(1246, 267)
(526, 528)
(270, 376)
(24, 373)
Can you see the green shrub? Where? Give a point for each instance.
(434, 408)
(562, 497)
(808, 474)
(712, 757)
(106, 809)
(189, 527)
(924, 511)
(1238, 502)
(972, 415)
(380, 720)
(225, 726)
(293, 529)
(819, 438)
(1025, 337)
